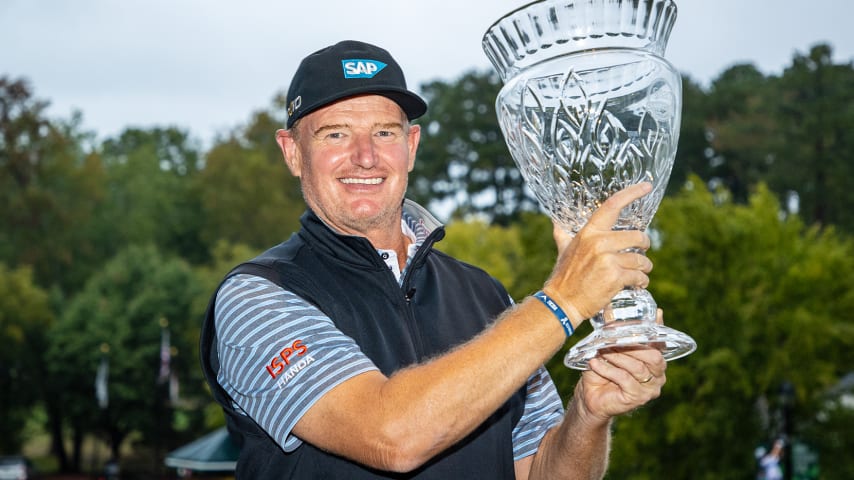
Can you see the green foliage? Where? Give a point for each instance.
(790, 132)
(246, 192)
(48, 188)
(24, 316)
(120, 313)
(830, 437)
(742, 128)
(766, 298)
(68, 205)
(816, 109)
(691, 156)
(150, 196)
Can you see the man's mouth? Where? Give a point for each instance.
(362, 181)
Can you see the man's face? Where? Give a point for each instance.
(353, 158)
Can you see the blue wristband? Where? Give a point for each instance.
(559, 313)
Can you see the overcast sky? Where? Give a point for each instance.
(206, 65)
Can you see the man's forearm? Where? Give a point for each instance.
(576, 449)
(400, 422)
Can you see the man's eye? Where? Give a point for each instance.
(335, 135)
(385, 133)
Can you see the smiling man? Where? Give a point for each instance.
(356, 350)
(357, 155)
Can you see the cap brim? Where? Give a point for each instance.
(411, 104)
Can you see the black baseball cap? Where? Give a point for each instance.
(346, 69)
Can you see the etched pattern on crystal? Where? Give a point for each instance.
(574, 150)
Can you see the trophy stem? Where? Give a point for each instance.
(631, 305)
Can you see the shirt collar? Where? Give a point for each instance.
(416, 233)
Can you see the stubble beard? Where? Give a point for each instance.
(388, 217)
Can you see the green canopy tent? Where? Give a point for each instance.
(215, 452)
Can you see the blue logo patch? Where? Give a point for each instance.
(361, 68)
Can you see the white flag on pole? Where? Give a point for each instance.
(102, 394)
(165, 355)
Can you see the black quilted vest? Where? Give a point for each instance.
(441, 303)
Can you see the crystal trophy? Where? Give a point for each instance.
(588, 107)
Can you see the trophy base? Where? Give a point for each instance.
(629, 335)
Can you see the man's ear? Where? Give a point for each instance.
(290, 152)
(413, 140)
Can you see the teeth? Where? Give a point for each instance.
(364, 181)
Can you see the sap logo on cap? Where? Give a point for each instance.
(361, 68)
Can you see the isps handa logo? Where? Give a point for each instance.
(361, 68)
(290, 361)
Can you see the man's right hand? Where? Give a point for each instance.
(596, 263)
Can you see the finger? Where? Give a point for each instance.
(637, 357)
(659, 316)
(635, 261)
(651, 358)
(625, 241)
(636, 278)
(625, 372)
(602, 367)
(606, 215)
(634, 367)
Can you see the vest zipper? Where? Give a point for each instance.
(409, 292)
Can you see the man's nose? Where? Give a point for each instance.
(365, 153)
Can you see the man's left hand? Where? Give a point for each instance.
(620, 381)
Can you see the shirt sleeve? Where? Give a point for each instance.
(543, 410)
(279, 354)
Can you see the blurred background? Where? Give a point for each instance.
(138, 165)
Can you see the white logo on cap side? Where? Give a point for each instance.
(294, 106)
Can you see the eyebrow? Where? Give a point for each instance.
(339, 126)
(324, 128)
(389, 125)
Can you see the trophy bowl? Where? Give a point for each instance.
(589, 106)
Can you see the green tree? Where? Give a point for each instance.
(791, 132)
(692, 156)
(830, 436)
(247, 194)
(150, 193)
(742, 128)
(121, 313)
(25, 316)
(463, 158)
(767, 300)
(816, 105)
(50, 183)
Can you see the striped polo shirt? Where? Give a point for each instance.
(252, 315)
